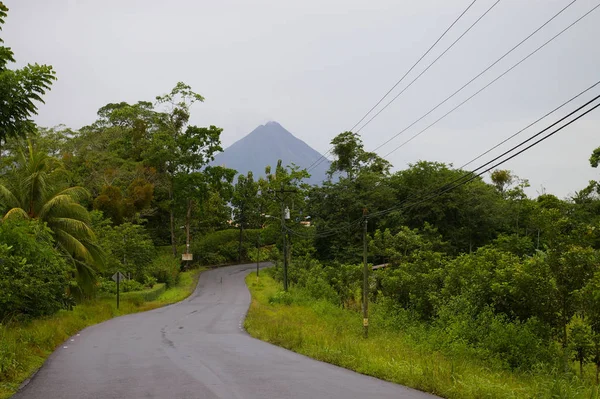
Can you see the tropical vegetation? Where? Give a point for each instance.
(483, 279)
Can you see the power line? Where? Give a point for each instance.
(517, 133)
(514, 134)
(521, 151)
(470, 176)
(349, 226)
(328, 233)
(414, 65)
(528, 126)
(482, 89)
(478, 75)
(320, 160)
(461, 180)
(429, 66)
(475, 78)
(537, 134)
(325, 233)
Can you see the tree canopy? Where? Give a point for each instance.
(20, 91)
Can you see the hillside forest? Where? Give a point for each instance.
(511, 278)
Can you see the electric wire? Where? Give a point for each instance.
(320, 160)
(470, 176)
(505, 160)
(484, 71)
(467, 174)
(328, 233)
(484, 87)
(531, 124)
(475, 78)
(430, 65)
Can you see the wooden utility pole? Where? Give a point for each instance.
(365, 278)
(281, 197)
(258, 251)
(285, 248)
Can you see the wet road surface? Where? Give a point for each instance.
(195, 349)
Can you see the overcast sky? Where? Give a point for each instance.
(316, 66)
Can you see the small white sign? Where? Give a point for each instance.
(187, 257)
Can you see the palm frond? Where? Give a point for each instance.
(8, 197)
(15, 212)
(72, 246)
(77, 193)
(77, 228)
(85, 276)
(63, 205)
(86, 257)
(96, 252)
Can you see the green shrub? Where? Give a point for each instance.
(165, 268)
(127, 248)
(222, 247)
(216, 248)
(150, 281)
(265, 254)
(281, 297)
(141, 296)
(130, 285)
(520, 246)
(268, 236)
(318, 288)
(108, 286)
(513, 344)
(211, 258)
(33, 275)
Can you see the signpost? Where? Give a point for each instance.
(187, 258)
(117, 277)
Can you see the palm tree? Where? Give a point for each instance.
(34, 188)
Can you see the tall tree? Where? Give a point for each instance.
(502, 179)
(20, 89)
(194, 189)
(595, 158)
(338, 204)
(468, 216)
(178, 148)
(351, 157)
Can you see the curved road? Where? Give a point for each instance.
(194, 349)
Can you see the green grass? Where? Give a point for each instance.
(25, 347)
(326, 332)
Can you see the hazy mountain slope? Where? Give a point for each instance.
(264, 146)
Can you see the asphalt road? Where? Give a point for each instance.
(194, 349)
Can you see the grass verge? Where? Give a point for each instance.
(25, 347)
(329, 333)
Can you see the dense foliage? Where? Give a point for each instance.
(79, 205)
(33, 274)
(127, 248)
(512, 278)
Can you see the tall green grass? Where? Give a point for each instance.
(326, 332)
(25, 347)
